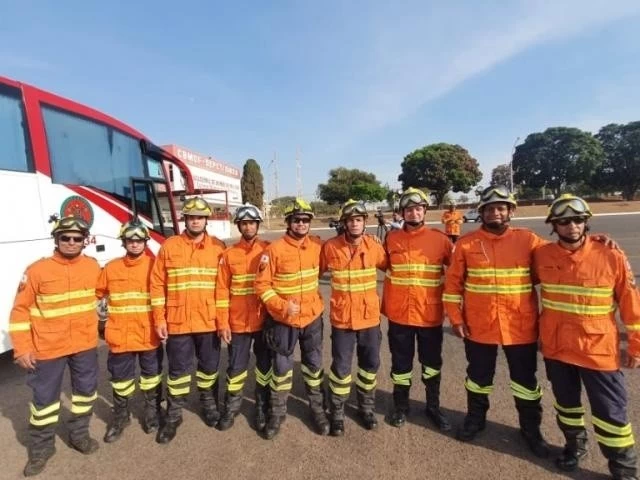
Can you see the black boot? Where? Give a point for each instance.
(622, 462)
(400, 405)
(317, 406)
(120, 419)
(152, 410)
(336, 406)
(209, 403)
(232, 404)
(168, 431)
(530, 416)
(79, 437)
(41, 449)
(475, 421)
(277, 413)
(85, 445)
(272, 428)
(366, 404)
(433, 412)
(575, 449)
(261, 407)
(37, 461)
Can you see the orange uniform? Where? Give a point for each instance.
(289, 270)
(183, 282)
(579, 294)
(488, 286)
(54, 314)
(413, 285)
(125, 281)
(452, 222)
(237, 305)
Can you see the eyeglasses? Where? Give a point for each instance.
(354, 209)
(566, 221)
(301, 220)
(69, 239)
(414, 198)
(577, 205)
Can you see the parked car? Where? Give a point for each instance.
(471, 216)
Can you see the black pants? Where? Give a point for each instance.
(402, 343)
(46, 383)
(239, 353)
(122, 367)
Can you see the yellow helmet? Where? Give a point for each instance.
(197, 207)
(353, 208)
(568, 206)
(70, 224)
(413, 196)
(495, 194)
(134, 230)
(298, 207)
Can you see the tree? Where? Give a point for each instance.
(252, 183)
(620, 169)
(555, 158)
(440, 167)
(345, 183)
(501, 175)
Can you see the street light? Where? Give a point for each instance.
(513, 152)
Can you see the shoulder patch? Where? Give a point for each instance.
(23, 282)
(264, 258)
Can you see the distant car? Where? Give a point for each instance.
(471, 216)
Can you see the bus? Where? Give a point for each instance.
(59, 158)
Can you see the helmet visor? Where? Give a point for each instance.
(135, 233)
(579, 208)
(196, 205)
(412, 198)
(500, 191)
(354, 209)
(71, 224)
(247, 213)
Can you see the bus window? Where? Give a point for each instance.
(14, 151)
(84, 152)
(148, 205)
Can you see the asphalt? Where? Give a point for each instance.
(415, 451)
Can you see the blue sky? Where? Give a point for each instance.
(349, 83)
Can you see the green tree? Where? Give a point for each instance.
(252, 183)
(555, 158)
(440, 167)
(501, 175)
(620, 169)
(345, 183)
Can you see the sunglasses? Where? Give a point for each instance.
(70, 238)
(300, 220)
(566, 221)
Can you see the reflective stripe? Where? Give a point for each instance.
(206, 380)
(599, 292)
(340, 386)
(263, 378)
(235, 384)
(524, 393)
(122, 384)
(41, 412)
(616, 442)
(124, 388)
(158, 302)
(475, 388)
(196, 285)
(356, 287)
(59, 312)
(269, 294)
(633, 328)
(129, 296)
(43, 422)
(560, 408)
(313, 379)
(345, 274)
(578, 309)
(498, 272)
(283, 383)
(149, 383)
(448, 297)
(173, 385)
(130, 309)
(415, 282)
(248, 277)
(428, 372)
(83, 398)
(81, 404)
(401, 378)
(305, 287)
(572, 422)
(63, 297)
(416, 267)
(242, 291)
(20, 327)
(367, 387)
(179, 272)
(41, 417)
(342, 381)
(286, 277)
(610, 428)
(500, 289)
(366, 375)
(222, 303)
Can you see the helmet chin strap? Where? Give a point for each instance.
(413, 223)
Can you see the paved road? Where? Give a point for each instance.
(415, 451)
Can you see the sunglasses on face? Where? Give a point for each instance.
(300, 220)
(566, 221)
(70, 238)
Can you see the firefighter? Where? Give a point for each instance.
(240, 316)
(490, 301)
(581, 282)
(129, 332)
(452, 220)
(54, 323)
(182, 286)
(412, 301)
(352, 260)
(287, 284)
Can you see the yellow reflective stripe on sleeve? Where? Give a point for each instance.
(249, 277)
(448, 297)
(223, 304)
(414, 282)
(633, 328)
(158, 302)
(416, 267)
(129, 296)
(242, 291)
(475, 388)
(63, 297)
(616, 442)
(179, 272)
(305, 287)
(498, 272)
(599, 292)
(355, 288)
(344, 274)
(269, 294)
(500, 289)
(577, 410)
(59, 312)
(19, 327)
(610, 428)
(578, 309)
(286, 277)
(200, 285)
(130, 309)
(573, 422)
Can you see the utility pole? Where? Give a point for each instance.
(513, 152)
(298, 174)
(276, 188)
